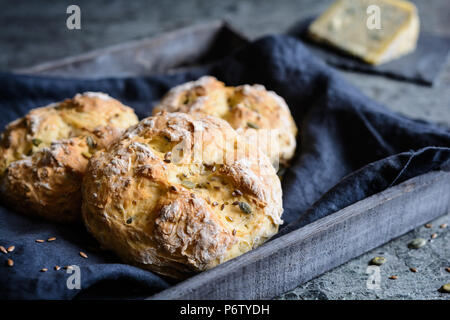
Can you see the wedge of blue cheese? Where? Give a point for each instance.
(345, 26)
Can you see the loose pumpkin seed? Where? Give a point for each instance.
(236, 193)
(90, 142)
(281, 171)
(36, 142)
(378, 261)
(417, 243)
(86, 154)
(252, 125)
(245, 207)
(446, 287)
(188, 184)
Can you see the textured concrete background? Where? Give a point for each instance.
(34, 31)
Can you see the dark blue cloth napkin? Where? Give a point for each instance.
(349, 148)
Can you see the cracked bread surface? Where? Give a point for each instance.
(260, 115)
(43, 156)
(175, 195)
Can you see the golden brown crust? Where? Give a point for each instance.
(176, 212)
(43, 156)
(249, 109)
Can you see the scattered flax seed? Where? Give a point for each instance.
(68, 267)
(222, 206)
(235, 203)
(173, 188)
(393, 277)
(9, 262)
(51, 239)
(11, 249)
(443, 226)
(447, 269)
(84, 255)
(129, 220)
(40, 241)
(234, 232)
(2, 249)
(44, 270)
(428, 225)
(413, 270)
(229, 219)
(57, 268)
(434, 236)
(215, 203)
(217, 187)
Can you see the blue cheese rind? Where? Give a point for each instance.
(344, 26)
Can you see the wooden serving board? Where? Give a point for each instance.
(292, 259)
(171, 52)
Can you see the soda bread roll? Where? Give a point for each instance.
(180, 193)
(249, 109)
(43, 156)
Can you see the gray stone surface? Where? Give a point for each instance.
(34, 31)
(349, 281)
